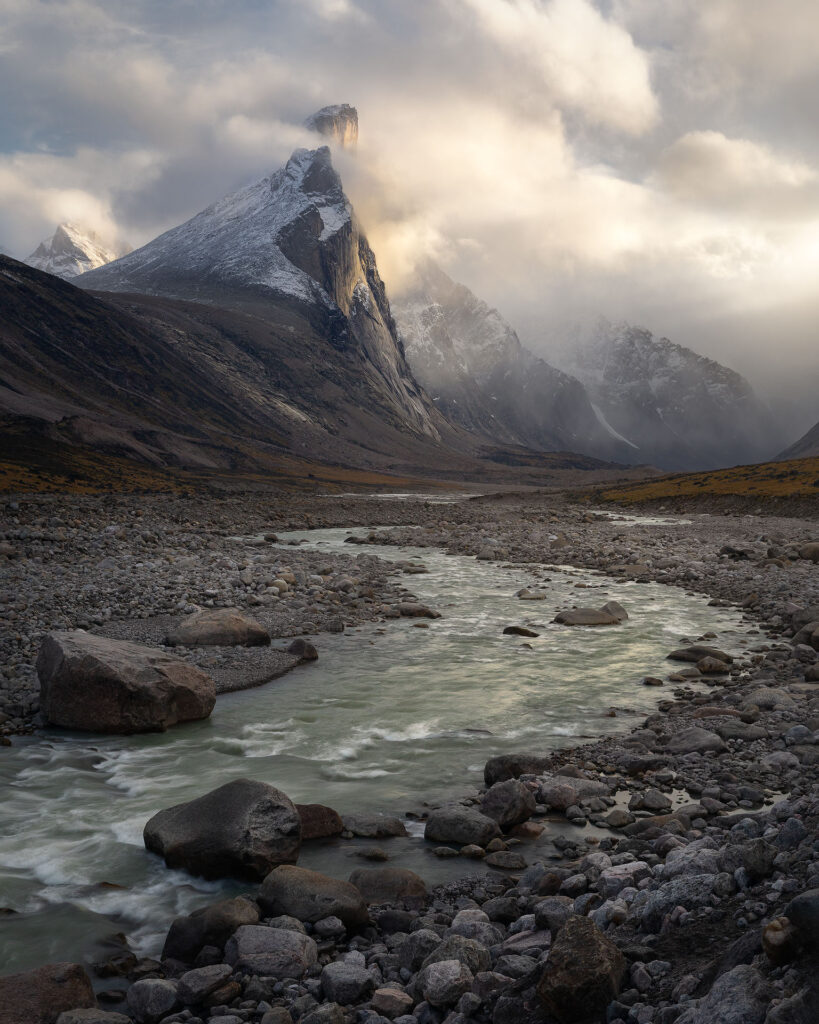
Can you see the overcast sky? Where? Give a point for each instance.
(651, 160)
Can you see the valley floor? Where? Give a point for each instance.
(694, 878)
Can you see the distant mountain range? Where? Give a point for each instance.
(266, 319)
(806, 447)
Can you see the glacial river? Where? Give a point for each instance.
(389, 717)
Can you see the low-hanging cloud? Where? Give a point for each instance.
(564, 158)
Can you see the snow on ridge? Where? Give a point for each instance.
(71, 251)
(604, 423)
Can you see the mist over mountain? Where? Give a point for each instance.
(473, 365)
(675, 408)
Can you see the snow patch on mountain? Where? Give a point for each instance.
(72, 251)
(598, 412)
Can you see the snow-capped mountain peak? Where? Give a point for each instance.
(71, 251)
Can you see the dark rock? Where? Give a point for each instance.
(311, 896)
(151, 999)
(318, 821)
(209, 926)
(511, 766)
(470, 952)
(373, 826)
(519, 631)
(398, 886)
(697, 652)
(456, 823)
(271, 952)
(242, 830)
(583, 973)
(95, 684)
(803, 913)
(508, 803)
(41, 995)
(303, 649)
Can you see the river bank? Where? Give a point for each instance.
(684, 882)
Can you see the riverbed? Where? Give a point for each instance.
(390, 717)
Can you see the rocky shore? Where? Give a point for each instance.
(699, 906)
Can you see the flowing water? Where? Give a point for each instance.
(389, 717)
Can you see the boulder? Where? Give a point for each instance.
(469, 952)
(695, 741)
(241, 830)
(218, 627)
(209, 926)
(810, 552)
(318, 821)
(740, 996)
(511, 766)
(271, 952)
(151, 999)
(194, 985)
(519, 631)
(303, 650)
(803, 913)
(346, 983)
(457, 823)
(411, 610)
(443, 983)
(611, 614)
(697, 652)
(390, 885)
(40, 996)
(311, 896)
(508, 803)
(373, 826)
(416, 947)
(583, 973)
(95, 684)
(562, 792)
(391, 1002)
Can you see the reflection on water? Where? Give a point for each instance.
(388, 717)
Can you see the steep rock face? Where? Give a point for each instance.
(338, 123)
(806, 447)
(71, 252)
(480, 376)
(675, 408)
(292, 238)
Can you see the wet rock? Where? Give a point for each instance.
(506, 860)
(519, 631)
(318, 821)
(303, 650)
(311, 896)
(561, 792)
(511, 766)
(209, 926)
(456, 823)
(583, 973)
(398, 886)
(373, 826)
(41, 995)
(611, 614)
(270, 952)
(95, 684)
(218, 627)
(411, 610)
(508, 803)
(242, 829)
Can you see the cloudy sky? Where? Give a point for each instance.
(651, 161)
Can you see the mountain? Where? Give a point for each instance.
(806, 447)
(480, 376)
(674, 408)
(71, 252)
(339, 123)
(290, 241)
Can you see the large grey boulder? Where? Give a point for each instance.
(241, 830)
(443, 983)
(194, 985)
(311, 896)
(469, 952)
(740, 996)
(41, 995)
(209, 926)
(346, 983)
(96, 684)
(457, 823)
(562, 791)
(508, 803)
(696, 652)
(271, 952)
(218, 627)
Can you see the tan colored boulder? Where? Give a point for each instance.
(101, 685)
(319, 822)
(310, 896)
(218, 627)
